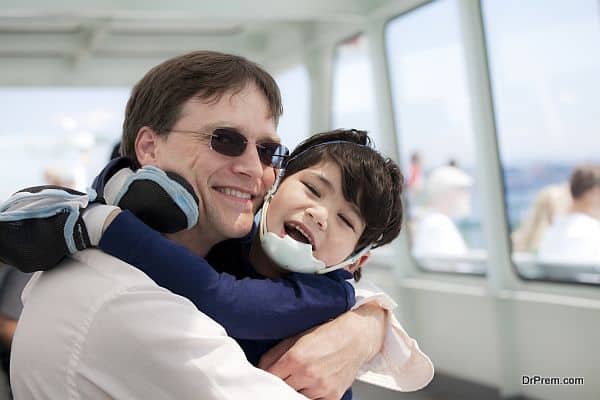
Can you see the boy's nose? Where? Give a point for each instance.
(319, 215)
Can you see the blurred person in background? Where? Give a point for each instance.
(415, 184)
(449, 199)
(575, 238)
(551, 203)
(58, 177)
(415, 172)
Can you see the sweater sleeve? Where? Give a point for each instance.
(248, 308)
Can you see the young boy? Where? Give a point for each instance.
(337, 199)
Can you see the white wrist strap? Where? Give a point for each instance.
(94, 217)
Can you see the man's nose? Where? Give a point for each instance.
(249, 164)
(318, 214)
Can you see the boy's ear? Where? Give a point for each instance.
(146, 145)
(363, 259)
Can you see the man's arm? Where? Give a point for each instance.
(399, 364)
(7, 330)
(324, 362)
(10, 303)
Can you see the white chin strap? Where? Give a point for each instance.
(293, 255)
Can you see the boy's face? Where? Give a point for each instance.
(310, 207)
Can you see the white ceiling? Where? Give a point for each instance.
(115, 42)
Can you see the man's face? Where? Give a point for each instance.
(310, 207)
(229, 188)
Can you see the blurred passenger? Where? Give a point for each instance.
(58, 177)
(575, 238)
(414, 185)
(436, 234)
(415, 172)
(551, 203)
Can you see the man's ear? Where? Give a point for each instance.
(146, 144)
(363, 259)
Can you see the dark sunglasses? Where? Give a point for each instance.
(230, 142)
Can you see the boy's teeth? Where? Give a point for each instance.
(298, 234)
(235, 193)
(306, 235)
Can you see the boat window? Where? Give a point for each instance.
(295, 92)
(57, 135)
(544, 61)
(436, 139)
(353, 88)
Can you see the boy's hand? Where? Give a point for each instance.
(323, 362)
(163, 200)
(41, 225)
(97, 218)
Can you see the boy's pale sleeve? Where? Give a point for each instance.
(400, 365)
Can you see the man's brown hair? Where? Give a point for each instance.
(370, 181)
(583, 179)
(157, 99)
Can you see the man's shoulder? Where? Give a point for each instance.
(89, 272)
(94, 319)
(85, 284)
(99, 265)
(91, 284)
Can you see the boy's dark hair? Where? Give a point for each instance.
(157, 99)
(583, 179)
(370, 181)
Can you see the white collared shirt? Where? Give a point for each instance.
(97, 328)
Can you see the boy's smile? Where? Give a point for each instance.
(310, 207)
(300, 232)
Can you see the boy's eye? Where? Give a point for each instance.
(312, 189)
(346, 221)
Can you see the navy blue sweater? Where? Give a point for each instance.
(256, 311)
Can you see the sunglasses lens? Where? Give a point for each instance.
(273, 154)
(233, 144)
(228, 142)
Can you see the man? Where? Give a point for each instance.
(96, 328)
